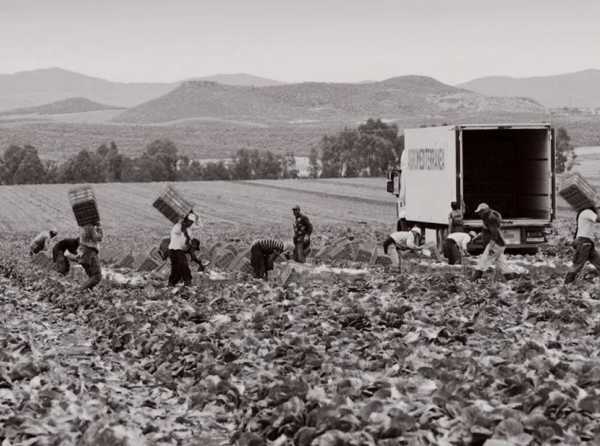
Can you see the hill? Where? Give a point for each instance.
(239, 79)
(395, 98)
(580, 89)
(37, 87)
(65, 106)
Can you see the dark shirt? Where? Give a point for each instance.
(302, 226)
(269, 246)
(491, 227)
(67, 244)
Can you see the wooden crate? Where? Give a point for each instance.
(84, 205)
(172, 205)
(578, 192)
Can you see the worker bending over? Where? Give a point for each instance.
(41, 241)
(263, 254)
(456, 245)
(402, 240)
(62, 252)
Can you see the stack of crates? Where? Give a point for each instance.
(578, 192)
(85, 208)
(172, 205)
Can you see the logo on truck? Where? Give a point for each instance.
(426, 159)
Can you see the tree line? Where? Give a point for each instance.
(160, 161)
(371, 149)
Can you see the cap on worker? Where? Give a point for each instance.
(473, 234)
(415, 229)
(481, 207)
(296, 208)
(192, 218)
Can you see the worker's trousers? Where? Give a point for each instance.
(180, 268)
(301, 249)
(584, 252)
(451, 251)
(91, 265)
(493, 256)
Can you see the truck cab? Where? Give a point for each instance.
(511, 167)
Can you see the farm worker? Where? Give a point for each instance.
(61, 261)
(402, 240)
(455, 245)
(40, 242)
(263, 254)
(178, 248)
(584, 243)
(493, 254)
(89, 243)
(455, 218)
(302, 231)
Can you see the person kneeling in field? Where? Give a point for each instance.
(584, 243)
(263, 254)
(60, 256)
(89, 243)
(178, 249)
(402, 240)
(455, 246)
(40, 242)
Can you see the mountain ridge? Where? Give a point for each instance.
(577, 89)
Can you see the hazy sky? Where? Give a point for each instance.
(321, 40)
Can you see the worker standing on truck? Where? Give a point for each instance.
(455, 218)
(263, 254)
(456, 245)
(302, 230)
(402, 240)
(60, 256)
(89, 244)
(493, 254)
(40, 242)
(178, 247)
(584, 243)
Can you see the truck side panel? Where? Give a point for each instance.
(430, 173)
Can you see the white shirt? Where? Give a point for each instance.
(462, 239)
(178, 240)
(585, 224)
(40, 240)
(404, 239)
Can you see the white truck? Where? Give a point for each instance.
(508, 166)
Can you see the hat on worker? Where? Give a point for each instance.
(296, 207)
(481, 207)
(473, 234)
(53, 232)
(192, 218)
(415, 229)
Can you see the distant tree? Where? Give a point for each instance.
(565, 152)
(241, 167)
(162, 157)
(30, 170)
(288, 166)
(85, 167)
(269, 166)
(314, 169)
(216, 171)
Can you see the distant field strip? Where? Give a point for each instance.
(126, 208)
